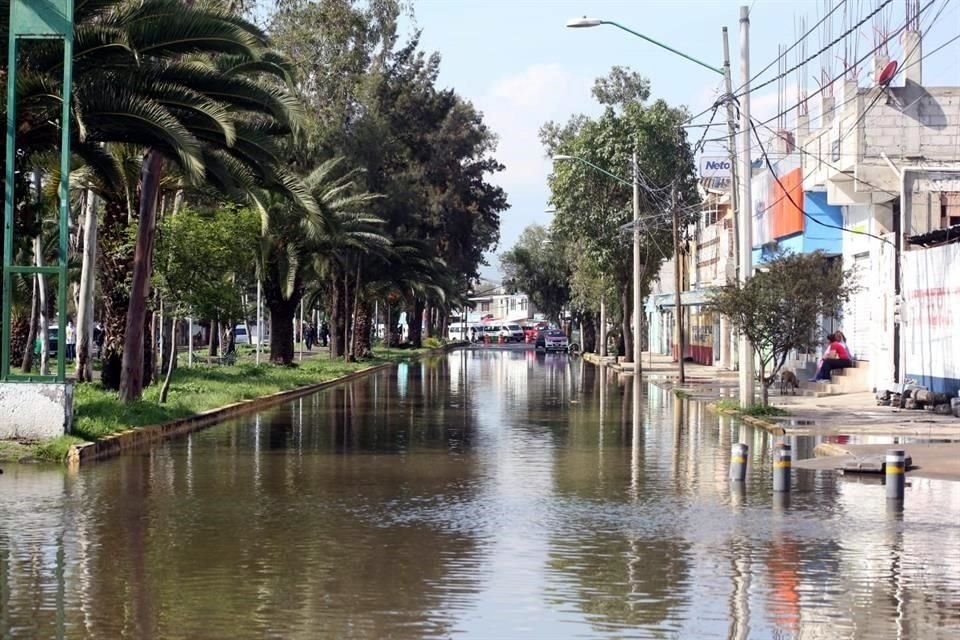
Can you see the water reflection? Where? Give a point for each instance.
(487, 493)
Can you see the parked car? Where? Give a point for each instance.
(552, 340)
(240, 335)
(531, 330)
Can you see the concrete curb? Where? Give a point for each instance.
(89, 452)
(828, 449)
(760, 423)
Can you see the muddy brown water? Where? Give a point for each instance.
(493, 493)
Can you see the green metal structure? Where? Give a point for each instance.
(37, 20)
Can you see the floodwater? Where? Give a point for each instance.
(493, 493)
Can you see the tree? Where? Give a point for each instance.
(538, 267)
(205, 261)
(780, 308)
(592, 208)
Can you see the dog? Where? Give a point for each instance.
(788, 380)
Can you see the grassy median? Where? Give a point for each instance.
(98, 413)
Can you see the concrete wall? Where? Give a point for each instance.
(34, 411)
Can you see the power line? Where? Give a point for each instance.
(858, 62)
(794, 45)
(786, 192)
(846, 33)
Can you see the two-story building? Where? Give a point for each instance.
(889, 156)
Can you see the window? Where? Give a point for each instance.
(484, 306)
(949, 209)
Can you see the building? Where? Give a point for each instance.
(494, 304)
(889, 157)
(708, 261)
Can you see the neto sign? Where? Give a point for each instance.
(714, 167)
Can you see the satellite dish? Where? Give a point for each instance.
(886, 76)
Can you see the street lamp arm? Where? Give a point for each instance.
(663, 46)
(560, 157)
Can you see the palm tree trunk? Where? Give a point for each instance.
(415, 324)
(356, 307)
(166, 381)
(214, 346)
(281, 330)
(388, 325)
(27, 363)
(346, 316)
(131, 376)
(87, 279)
(336, 349)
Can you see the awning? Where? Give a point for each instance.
(687, 299)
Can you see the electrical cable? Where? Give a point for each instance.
(794, 45)
(846, 33)
(786, 194)
(857, 63)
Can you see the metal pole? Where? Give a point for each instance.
(738, 462)
(603, 326)
(782, 461)
(259, 323)
(894, 470)
(746, 220)
(677, 277)
(637, 302)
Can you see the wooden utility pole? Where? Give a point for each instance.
(678, 309)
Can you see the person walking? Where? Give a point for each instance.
(71, 340)
(325, 334)
(308, 336)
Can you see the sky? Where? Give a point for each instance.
(519, 65)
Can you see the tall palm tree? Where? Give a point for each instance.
(188, 84)
(298, 246)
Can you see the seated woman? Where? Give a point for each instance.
(836, 357)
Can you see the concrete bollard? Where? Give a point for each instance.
(738, 462)
(895, 473)
(782, 461)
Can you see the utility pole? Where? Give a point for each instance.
(637, 302)
(677, 274)
(603, 324)
(746, 219)
(724, 337)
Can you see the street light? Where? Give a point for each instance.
(585, 22)
(744, 232)
(637, 303)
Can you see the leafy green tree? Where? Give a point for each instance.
(538, 267)
(780, 307)
(592, 208)
(205, 261)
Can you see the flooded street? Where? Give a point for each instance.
(493, 493)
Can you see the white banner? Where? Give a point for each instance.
(931, 316)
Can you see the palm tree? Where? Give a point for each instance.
(300, 247)
(191, 85)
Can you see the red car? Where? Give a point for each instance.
(530, 331)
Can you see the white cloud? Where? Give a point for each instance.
(517, 105)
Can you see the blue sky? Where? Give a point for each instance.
(518, 64)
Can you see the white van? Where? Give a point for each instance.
(460, 331)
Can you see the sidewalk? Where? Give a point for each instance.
(855, 419)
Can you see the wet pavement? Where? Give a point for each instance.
(487, 493)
